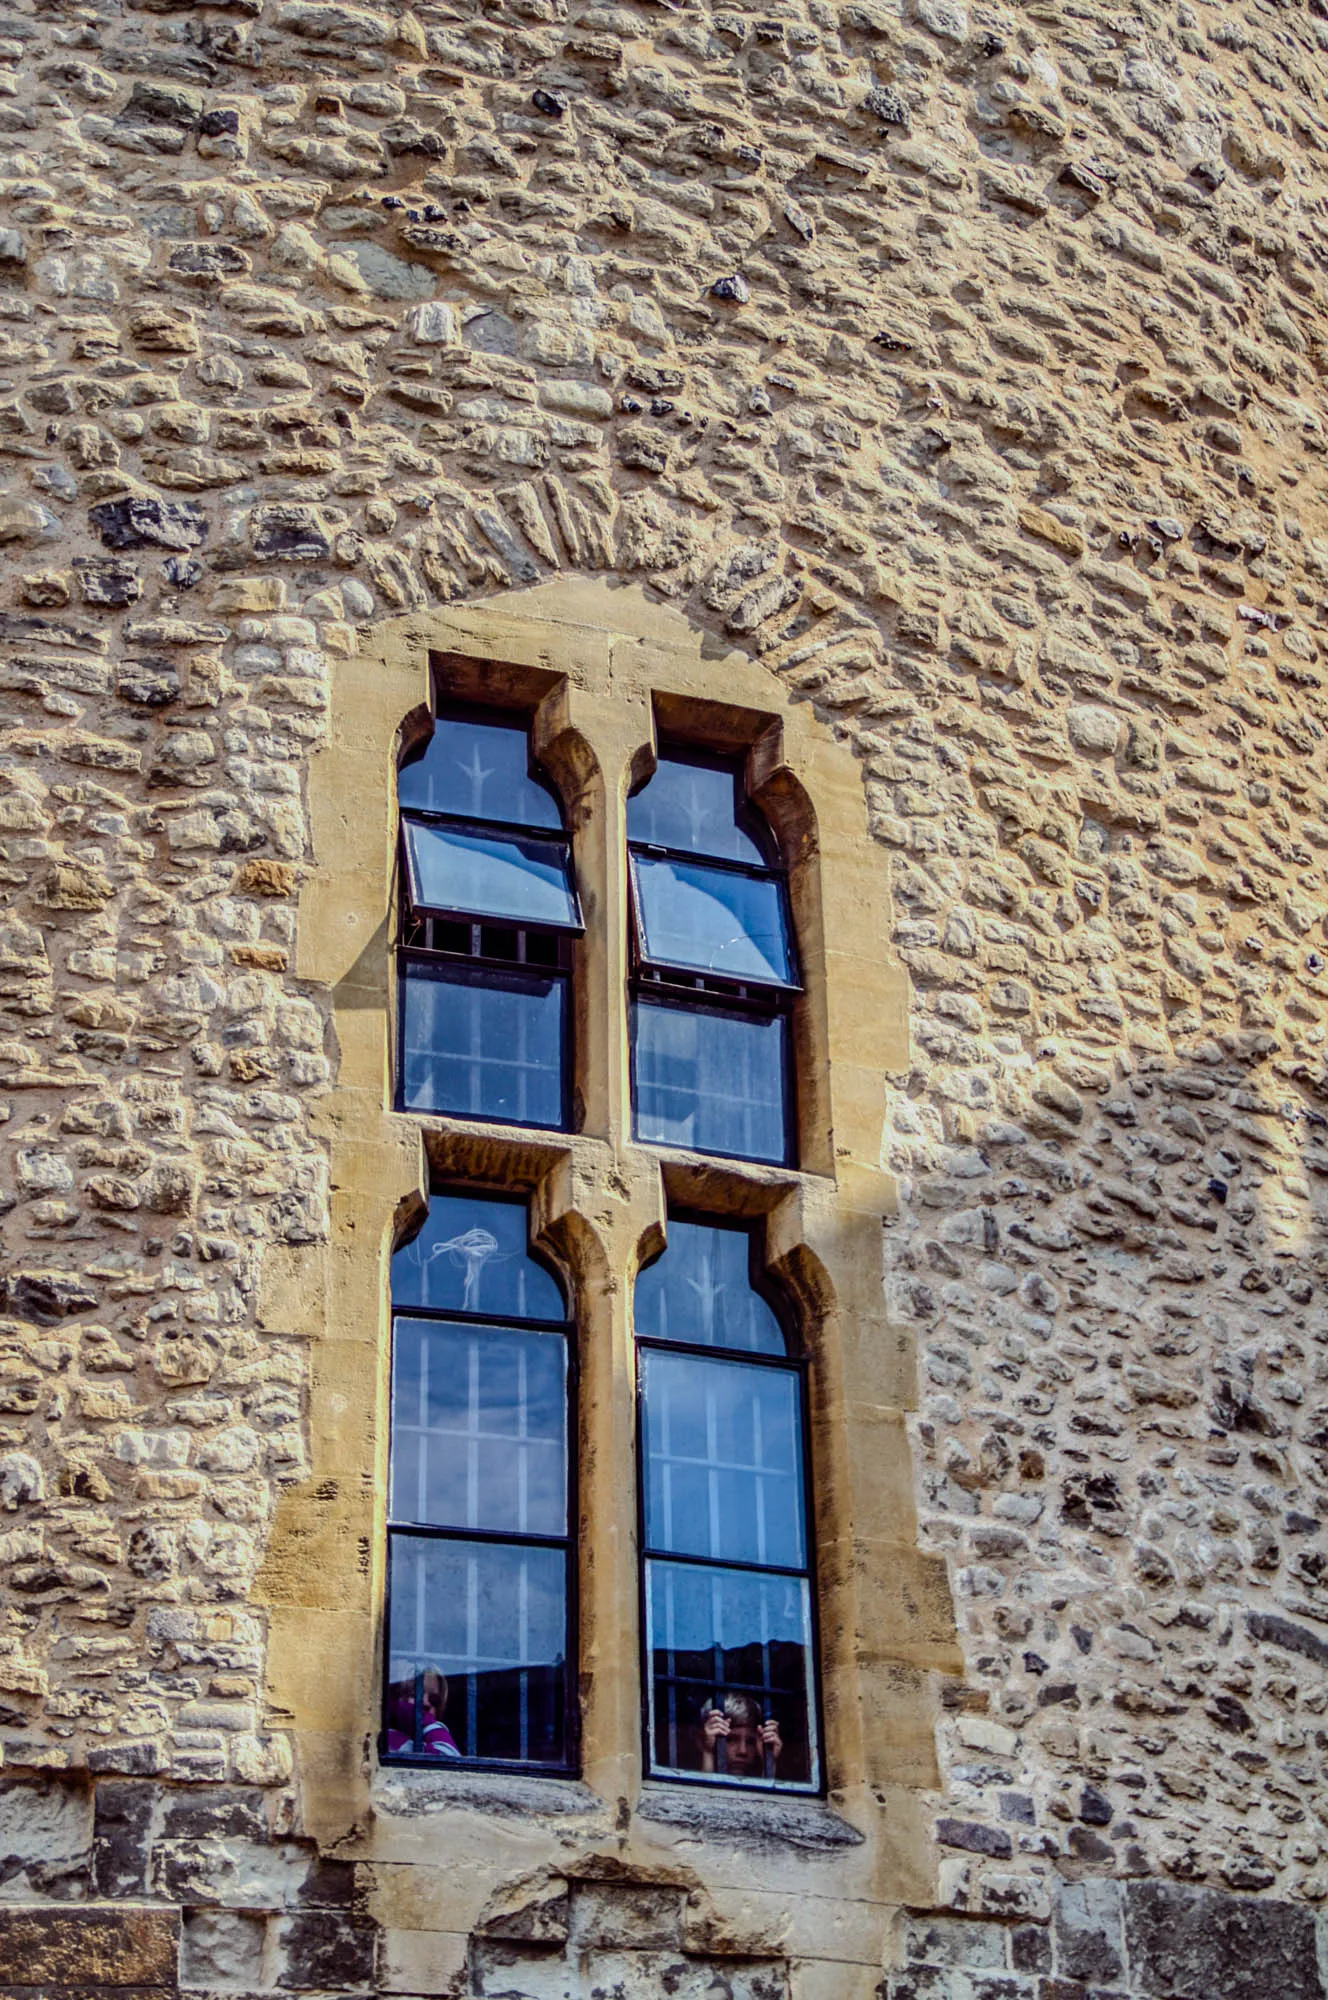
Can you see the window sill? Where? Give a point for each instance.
(756, 1819)
(407, 1791)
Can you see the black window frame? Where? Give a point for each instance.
(711, 992)
(419, 1759)
(794, 1361)
(421, 938)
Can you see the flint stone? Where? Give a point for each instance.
(140, 522)
(1193, 1944)
(389, 276)
(1089, 1939)
(888, 106)
(109, 583)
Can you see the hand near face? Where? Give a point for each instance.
(716, 1724)
(770, 1737)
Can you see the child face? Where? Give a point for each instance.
(743, 1753)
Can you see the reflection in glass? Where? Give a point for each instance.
(490, 875)
(472, 1255)
(712, 920)
(712, 1082)
(738, 1642)
(478, 770)
(693, 807)
(723, 1460)
(481, 1044)
(489, 1620)
(479, 1428)
(701, 1290)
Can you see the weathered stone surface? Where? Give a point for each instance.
(122, 1945)
(1191, 1943)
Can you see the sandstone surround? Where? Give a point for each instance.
(965, 365)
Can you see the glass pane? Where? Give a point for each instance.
(479, 1428)
(730, 1654)
(482, 1044)
(701, 1290)
(472, 1255)
(712, 1082)
(491, 875)
(477, 1642)
(711, 920)
(723, 1464)
(694, 807)
(478, 770)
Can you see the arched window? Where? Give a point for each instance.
(729, 1651)
(488, 919)
(714, 969)
(479, 1576)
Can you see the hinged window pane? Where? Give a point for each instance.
(491, 875)
(712, 920)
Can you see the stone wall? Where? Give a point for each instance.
(963, 363)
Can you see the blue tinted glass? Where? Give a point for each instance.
(710, 1082)
(478, 770)
(479, 1422)
(711, 920)
(694, 807)
(472, 1255)
(701, 1290)
(477, 1642)
(740, 1644)
(490, 875)
(478, 1044)
(723, 1451)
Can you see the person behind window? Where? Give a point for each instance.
(752, 1742)
(435, 1738)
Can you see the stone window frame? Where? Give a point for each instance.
(605, 659)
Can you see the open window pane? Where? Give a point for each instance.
(713, 1082)
(701, 1291)
(479, 1428)
(478, 770)
(481, 1044)
(473, 1255)
(740, 1643)
(712, 920)
(693, 807)
(477, 1639)
(723, 1460)
(491, 875)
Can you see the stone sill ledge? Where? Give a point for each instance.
(760, 1820)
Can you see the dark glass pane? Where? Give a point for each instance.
(480, 1044)
(482, 1628)
(694, 807)
(701, 1290)
(712, 1082)
(479, 1428)
(738, 1643)
(472, 1255)
(711, 920)
(490, 875)
(723, 1460)
(478, 770)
